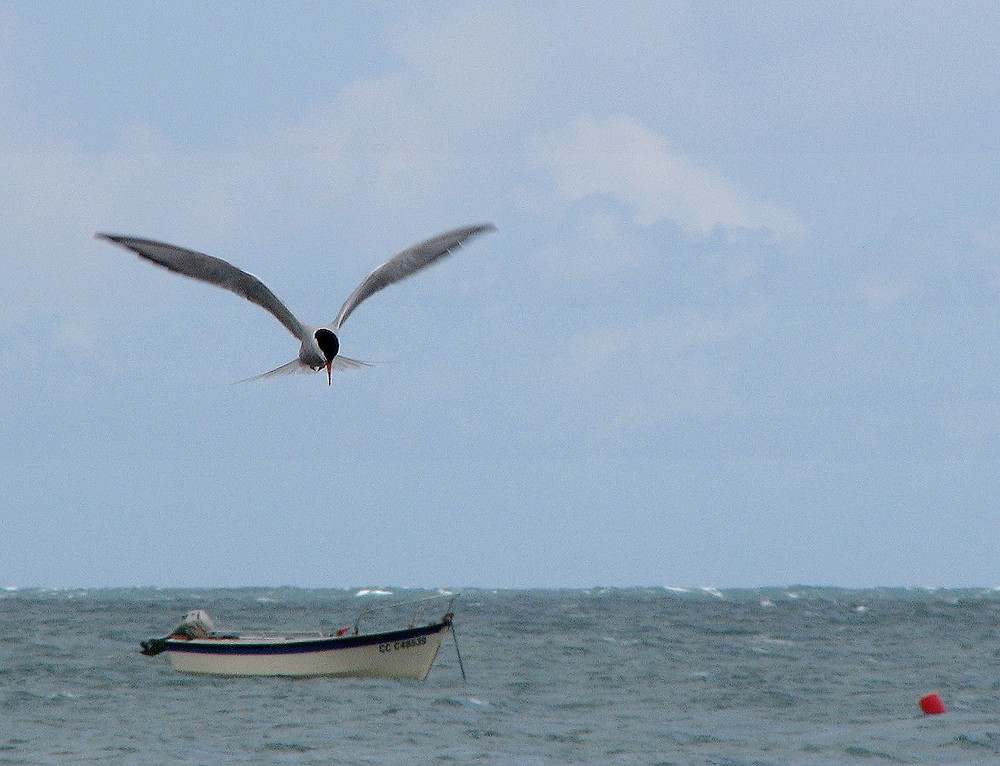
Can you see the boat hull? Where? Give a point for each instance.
(400, 654)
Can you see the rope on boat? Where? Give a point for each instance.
(448, 619)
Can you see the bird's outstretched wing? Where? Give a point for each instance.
(346, 363)
(297, 365)
(214, 271)
(408, 262)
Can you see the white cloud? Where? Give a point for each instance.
(668, 367)
(886, 295)
(621, 158)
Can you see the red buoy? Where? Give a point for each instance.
(932, 704)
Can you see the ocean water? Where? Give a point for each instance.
(629, 676)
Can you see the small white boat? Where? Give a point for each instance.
(195, 646)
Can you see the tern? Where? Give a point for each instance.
(320, 345)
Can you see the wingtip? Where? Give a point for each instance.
(476, 230)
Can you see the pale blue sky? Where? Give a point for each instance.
(738, 324)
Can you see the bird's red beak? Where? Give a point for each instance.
(329, 373)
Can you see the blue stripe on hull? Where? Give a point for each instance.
(301, 645)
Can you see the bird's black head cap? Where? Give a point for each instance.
(328, 343)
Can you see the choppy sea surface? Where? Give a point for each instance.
(621, 676)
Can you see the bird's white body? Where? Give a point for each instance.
(319, 345)
(309, 352)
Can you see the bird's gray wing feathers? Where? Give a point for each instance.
(346, 363)
(213, 270)
(408, 262)
(296, 365)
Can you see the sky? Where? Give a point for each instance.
(737, 325)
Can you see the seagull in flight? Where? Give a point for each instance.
(320, 345)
